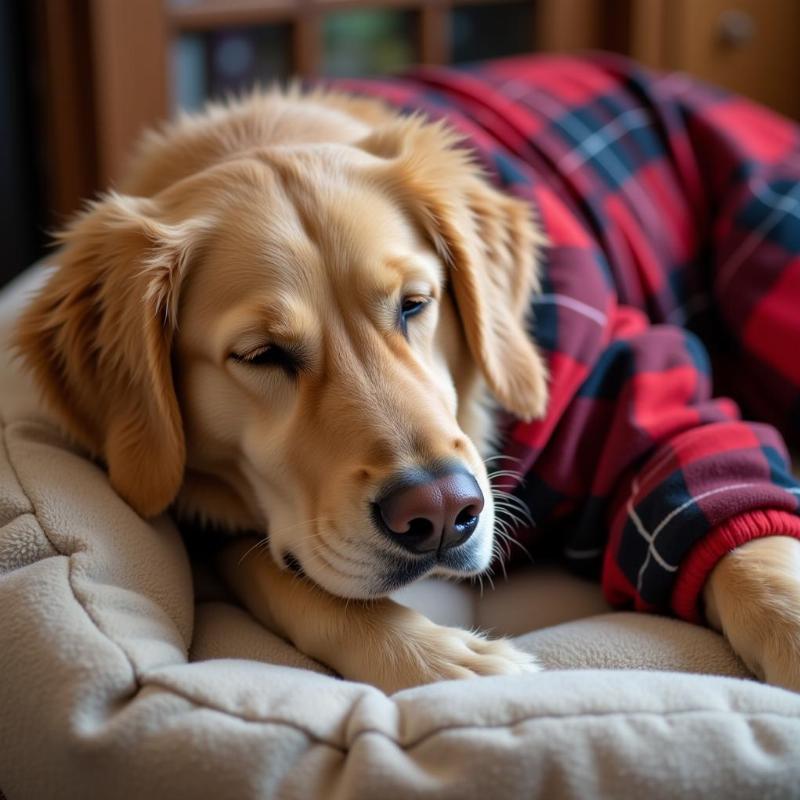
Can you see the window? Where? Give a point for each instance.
(219, 47)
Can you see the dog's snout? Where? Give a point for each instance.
(430, 514)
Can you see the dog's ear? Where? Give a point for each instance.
(98, 340)
(490, 244)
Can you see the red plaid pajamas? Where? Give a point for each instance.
(673, 278)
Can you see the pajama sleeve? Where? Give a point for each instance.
(650, 475)
(638, 469)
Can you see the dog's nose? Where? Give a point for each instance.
(432, 514)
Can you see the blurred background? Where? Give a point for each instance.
(80, 79)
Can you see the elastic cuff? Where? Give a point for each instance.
(705, 555)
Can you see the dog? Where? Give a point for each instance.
(297, 316)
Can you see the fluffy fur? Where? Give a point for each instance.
(303, 222)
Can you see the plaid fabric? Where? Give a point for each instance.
(673, 212)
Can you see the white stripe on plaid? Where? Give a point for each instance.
(561, 115)
(650, 538)
(601, 139)
(576, 305)
(782, 206)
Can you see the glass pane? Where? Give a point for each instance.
(492, 30)
(368, 42)
(212, 64)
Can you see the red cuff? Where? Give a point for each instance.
(703, 557)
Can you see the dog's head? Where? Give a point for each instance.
(296, 340)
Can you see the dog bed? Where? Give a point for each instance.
(117, 681)
(125, 672)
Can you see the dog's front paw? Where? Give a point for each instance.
(771, 650)
(412, 650)
(753, 597)
(456, 653)
(442, 654)
(782, 667)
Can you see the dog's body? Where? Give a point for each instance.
(290, 322)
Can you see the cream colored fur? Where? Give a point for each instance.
(304, 222)
(753, 597)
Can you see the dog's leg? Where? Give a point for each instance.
(753, 597)
(378, 642)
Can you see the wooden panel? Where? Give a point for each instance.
(66, 99)
(569, 24)
(307, 45)
(765, 66)
(647, 32)
(210, 14)
(130, 76)
(434, 35)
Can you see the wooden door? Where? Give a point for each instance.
(749, 46)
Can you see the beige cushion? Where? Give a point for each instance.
(114, 684)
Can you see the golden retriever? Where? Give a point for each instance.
(284, 323)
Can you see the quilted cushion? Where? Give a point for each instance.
(115, 682)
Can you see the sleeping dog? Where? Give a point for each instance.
(302, 315)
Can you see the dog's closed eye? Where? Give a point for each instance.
(270, 355)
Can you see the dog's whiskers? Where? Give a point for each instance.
(264, 541)
(259, 545)
(503, 533)
(503, 549)
(501, 473)
(511, 540)
(489, 572)
(510, 502)
(500, 555)
(502, 456)
(509, 515)
(501, 494)
(305, 522)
